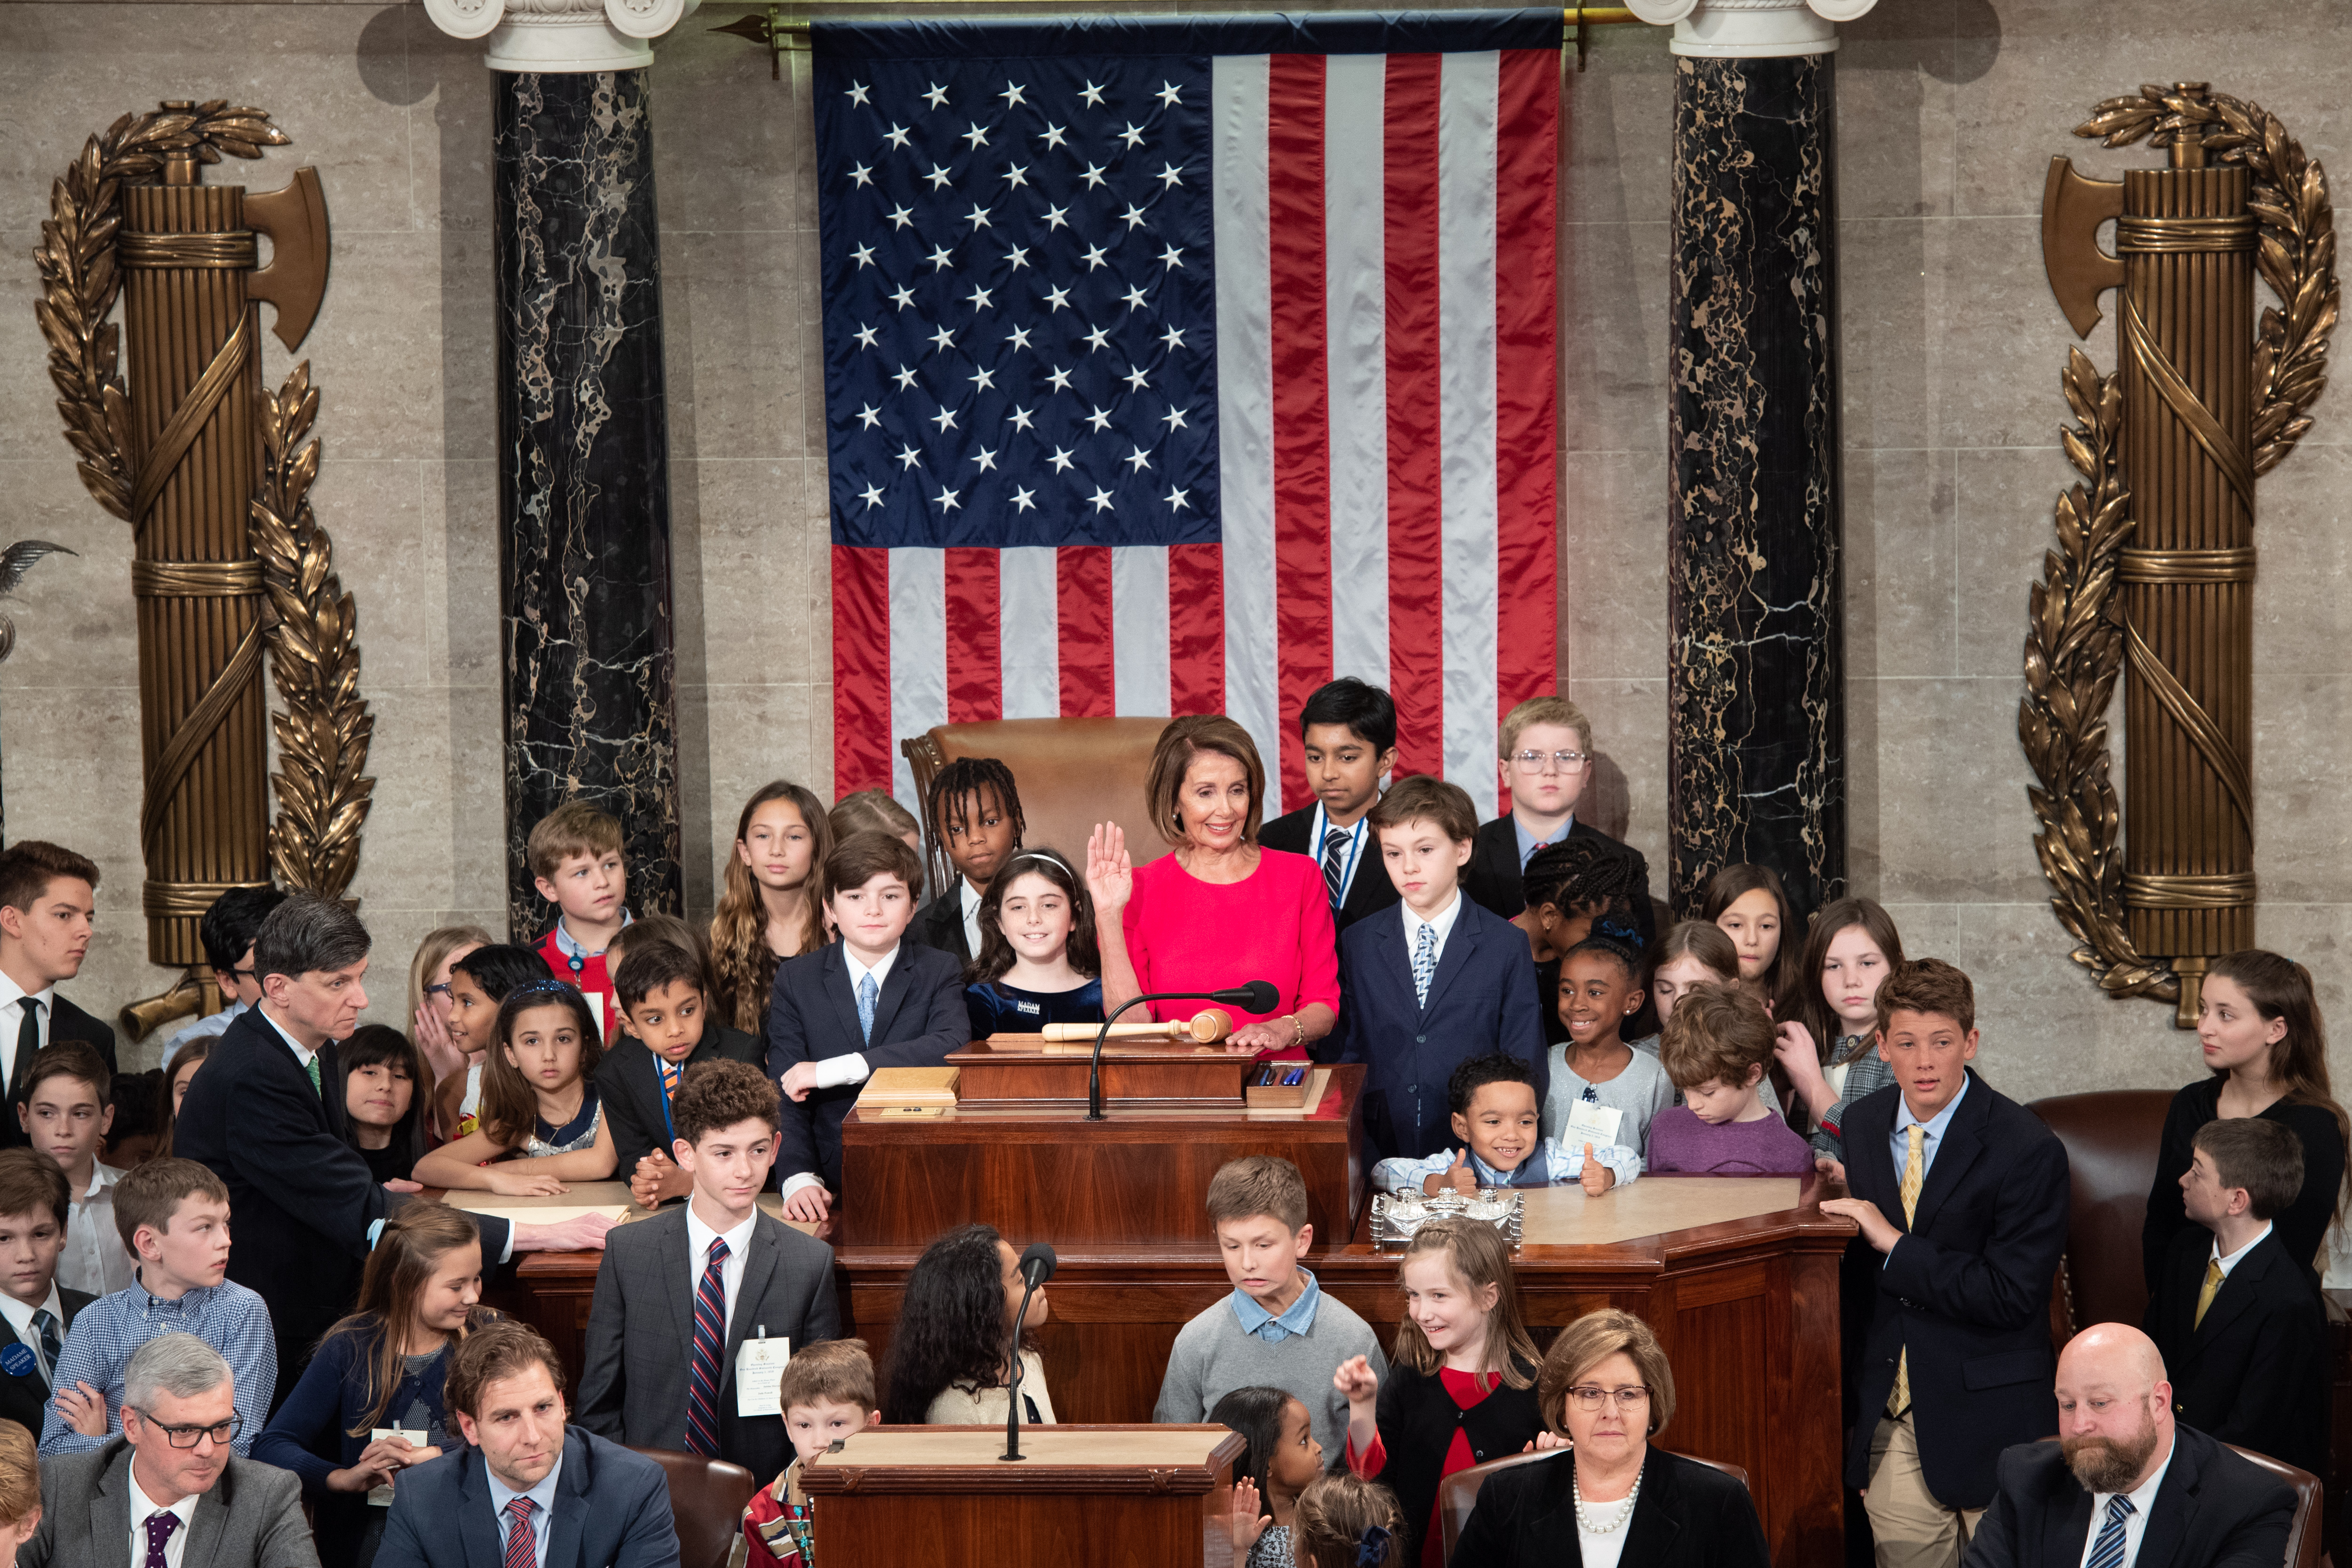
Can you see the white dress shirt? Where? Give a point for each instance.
(20, 1319)
(94, 1260)
(176, 1548)
(302, 1052)
(1442, 923)
(502, 1494)
(11, 1018)
(850, 1066)
(969, 897)
(699, 1237)
(2143, 1498)
(2232, 1260)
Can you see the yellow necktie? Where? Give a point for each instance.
(1914, 1176)
(2205, 1295)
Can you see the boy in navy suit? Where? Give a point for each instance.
(867, 1001)
(1349, 732)
(1435, 983)
(2240, 1327)
(1961, 1195)
(35, 1310)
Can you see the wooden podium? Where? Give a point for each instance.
(1139, 1496)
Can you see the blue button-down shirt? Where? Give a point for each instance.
(543, 1494)
(1296, 1318)
(1527, 841)
(228, 1317)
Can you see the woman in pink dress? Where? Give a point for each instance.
(1221, 911)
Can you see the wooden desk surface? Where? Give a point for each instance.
(585, 1197)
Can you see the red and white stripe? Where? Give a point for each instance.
(1387, 370)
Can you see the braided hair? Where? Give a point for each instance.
(1582, 874)
(956, 791)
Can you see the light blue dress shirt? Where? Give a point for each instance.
(543, 1494)
(1937, 1126)
(1527, 841)
(1296, 1318)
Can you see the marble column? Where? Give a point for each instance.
(1756, 669)
(584, 433)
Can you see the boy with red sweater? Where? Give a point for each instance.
(575, 863)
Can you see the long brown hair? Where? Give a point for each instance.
(742, 966)
(195, 1050)
(1807, 1004)
(1476, 1254)
(508, 1110)
(1724, 891)
(412, 1247)
(2280, 988)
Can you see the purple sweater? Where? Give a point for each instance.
(1681, 1141)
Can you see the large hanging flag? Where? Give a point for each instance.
(1179, 366)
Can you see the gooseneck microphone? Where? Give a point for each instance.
(1036, 1267)
(1257, 996)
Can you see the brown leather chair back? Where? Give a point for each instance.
(1071, 773)
(706, 1502)
(2111, 1140)
(1457, 1494)
(2304, 1536)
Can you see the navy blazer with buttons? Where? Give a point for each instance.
(1481, 1000)
(1966, 1289)
(919, 1018)
(611, 1510)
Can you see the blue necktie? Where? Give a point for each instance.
(2107, 1552)
(869, 994)
(1424, 963)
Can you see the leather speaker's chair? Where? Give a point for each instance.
(706, 1502)
(1457, 1494)
(1071, 773)
(2111, 1140)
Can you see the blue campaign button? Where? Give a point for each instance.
(17, 1361)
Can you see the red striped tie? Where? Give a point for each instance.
(710, 1350)
(522, 1542)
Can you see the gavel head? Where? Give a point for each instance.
(1210, 1026)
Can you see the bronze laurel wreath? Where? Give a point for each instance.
(323, 793)
(2075, 642)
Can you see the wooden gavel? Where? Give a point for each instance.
(1206, 1027)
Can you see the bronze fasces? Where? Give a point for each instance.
(2153, 576)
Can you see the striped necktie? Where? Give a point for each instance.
(1424, 963)
(522, 1540)
(1335, 862)
(709, 1354)
(2107, 1551)
(1914, 1176)
(45, 1325)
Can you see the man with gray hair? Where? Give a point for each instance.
(307, 1208)
(167, 1491)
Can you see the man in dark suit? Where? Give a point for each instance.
(1947, 1289)
(306, 1209)
(854, 1006)
(35, 1311)
(171, 1468)
(2125, 1486)
(48, 896)
(1349, 732)
(1547, 761)
(678, 1294)
(585, 1502)
(2234, 1315)
(664, 991)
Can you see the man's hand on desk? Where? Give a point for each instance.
(1875, 1228)
(582, 1233)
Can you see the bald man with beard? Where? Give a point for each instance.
(2125, 1486)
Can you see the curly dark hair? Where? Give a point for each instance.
(951, 1326)
(1256, 1414)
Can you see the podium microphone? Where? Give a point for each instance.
(1257, 996)
(1036, 1267)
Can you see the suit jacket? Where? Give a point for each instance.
(629, 1084)
(252, 1518)
(940, 924)
(24, 1397)
(2245, 1375)
(1368, 893)
(1689, 1515)
(1482, 999)
(67, 1022)
(919, 1018)
(637, 1363)
(2213, 1510)
(611, 1510)
(1966, 1289)
(301, 1197)
(1492, 878)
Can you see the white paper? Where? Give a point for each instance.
(1590, 1123)
(757, 1366)
(381, 1497)
(596, 1008)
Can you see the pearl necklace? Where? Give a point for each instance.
(1585, 1517)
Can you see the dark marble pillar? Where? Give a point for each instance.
(583, 476)
(1756, 750)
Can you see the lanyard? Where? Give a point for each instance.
(661, 1082)
(1356, 837)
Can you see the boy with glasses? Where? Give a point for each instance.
(228, 928)
(1546, 761)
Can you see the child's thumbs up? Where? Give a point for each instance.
(1596, 1177)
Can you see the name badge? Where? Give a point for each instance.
(759, 1365)
(381, 1497)
(1590, 1123)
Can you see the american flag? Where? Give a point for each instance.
(1180, 365)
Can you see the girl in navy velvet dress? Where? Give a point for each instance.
(1037, 963)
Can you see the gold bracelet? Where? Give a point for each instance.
(1300, 1023)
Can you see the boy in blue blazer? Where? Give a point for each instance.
(1435, 983)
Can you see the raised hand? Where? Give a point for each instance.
(1248, 1519)
(1355, 1382)
(1110, 873)
(1596, 1177)
(1456, 1177)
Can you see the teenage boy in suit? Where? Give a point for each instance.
(1961, 1198)
(48, 896)
(2235, 1317)
(2128, 1485)
(227, 930)
(870, 1000)
(974, 815)
(1547, 761)
(1349, 731)
(35, 1310)
(664, 985)
(678, 1294)
(1435, 982)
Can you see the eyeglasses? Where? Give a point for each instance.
(1588, 1399)
(1564, 762)
(440, 990)
(222, 1433)
(245, 973)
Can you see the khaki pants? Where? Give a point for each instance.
(1909, 1527)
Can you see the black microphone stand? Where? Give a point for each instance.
(1036, 1272)
(1257, 996)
